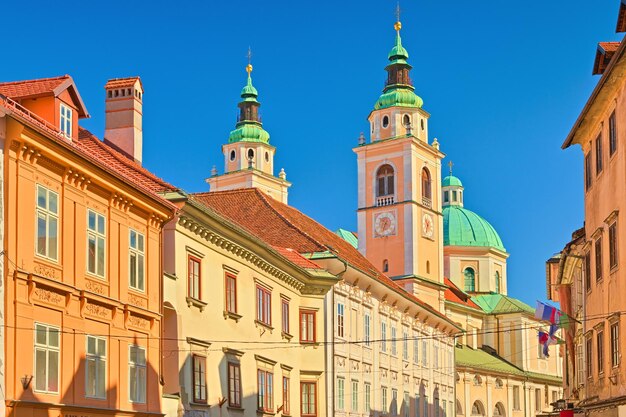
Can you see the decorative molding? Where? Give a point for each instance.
(611, 217)
(76, 178)
(264, 360)
(234, 352)
(120, 202)
(198, 342)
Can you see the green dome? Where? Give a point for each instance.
(249, 132)
(462, 227)
(403, 97)
(398, 52)
(451, 180)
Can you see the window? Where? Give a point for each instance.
(308, 398)
(340, 319)
(307, 326)
(47, 352)
(615, 344)
(497, 281)
(384, 404)
(394, 402)
(355, 396)
(516, 399)
(416, 348)
(385, 265)
(96, 238)
(580, 367)
(66, 120)
(231, 293)
(588, 271)
(137, 374)
(498, 411)
(588, 356)
(405, 404)
(199, 379)
(286, 390)
(600, 346)
(385, 121)
(555, 396)
(95, 385)
(426, 186)
(340, 394)
(425, 405)
(424, 353)
(47, 223)
(470, 279)
(234, 385)
(233, 155)
(384, 181)
(599, 154)
(537, 399)
(588, 176)
(265, 396)
(136, 253)
(383, 336)
(193, 277)
(436, 355)
(405, 345)
(598, 247)
(368, 397)
(263, 305)
(393, 340)
(478, 409)
(250, 154)
(417, 405)
(613, 245)
(284, 308)
(612, 134)
(366, 328)
(446, 196)
(406, 121)
(436, 404)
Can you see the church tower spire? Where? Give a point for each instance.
(248, 155)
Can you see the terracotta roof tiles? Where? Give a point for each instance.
(455, 295)
(32, 88)
(122, 82)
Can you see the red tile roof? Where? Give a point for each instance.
(454, 294)
(604, 54)
(280, 225)
(32, 88)
(122, 82)
(621, 18)
(297, 259)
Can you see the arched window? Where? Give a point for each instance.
(478, 380)
(478, 409)
(499, 383)
(384, 181)
(428, 267)
(470, 279)
(385, 266)
(406, 121)
(498, 411)
(426, 189)
(459, 409)
(497, 281)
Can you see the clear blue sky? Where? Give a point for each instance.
(504, 81)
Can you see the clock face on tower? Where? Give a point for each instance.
(428, 226)
(384, 224)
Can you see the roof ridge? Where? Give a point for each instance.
(35, 80)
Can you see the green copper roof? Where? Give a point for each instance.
(248, 92)
(451, 180)
(501, 304)
(249, 132)
(398, 53)
(402, 97)
(478, 358)
(349, 237)
(462, 227)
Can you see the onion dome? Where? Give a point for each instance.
(249, 127)
(398, 89)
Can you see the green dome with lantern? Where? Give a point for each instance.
(249, 127)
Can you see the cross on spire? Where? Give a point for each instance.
(450, 164)
(398, 11)
(249, 55)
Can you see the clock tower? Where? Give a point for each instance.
(400, 225)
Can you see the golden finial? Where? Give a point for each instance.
(249, 66)
(450, 164)
(397, 26)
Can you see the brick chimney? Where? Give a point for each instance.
(123, 111)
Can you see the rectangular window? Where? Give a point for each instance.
(286, 391)
(580, 366)
(137, 374)
(436, 355)
(612, 134)
(598, 247)
(193, 277)
(47, 223)
(405, 345)
(600, 347)
(265, 396)
(47, 354)
(444, 404)
(589, 357)
(96, 239)
(231, 293)
(599, 154)
(137, 256)
(613, 245)
(615, 344)
(537, 399)
(588, 271)
(416, 348)
(588, 175)
(284, 308)
(66, 120)
(418, 410)
(340, 319)
(199, 379)
(263, 306)
(383, 336)
(405, 404)
(424, 353)
(425, 404)
(393, 341)
(394, 402)
(436, 406)
(366, 329)
(368, 397)
(516, 399)
(384, 404)
(95, 385)
(446, 196)
(234, 385)
(308, 399)
(555, 396)
(307, 326)
(341, 388)
(355, 396)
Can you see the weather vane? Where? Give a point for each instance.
(249, 55)
(450, 164)
(398, 11)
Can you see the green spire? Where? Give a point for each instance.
(249, 127)
(248, 92)
(398, 53)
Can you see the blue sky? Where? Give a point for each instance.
(504, 82)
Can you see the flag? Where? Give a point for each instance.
(544, 338)
(545, 312)
(563, 320)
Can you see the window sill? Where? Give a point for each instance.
(309, 343)
(233, 316)
(265, 413)
(287, 336)
(197, 404)
(235, 408)
(196, 303)
(264, 325)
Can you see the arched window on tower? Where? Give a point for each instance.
(470, 279)
(478, 409)
(385, 266)
(498, 282)
(384, 181)
(426, 187)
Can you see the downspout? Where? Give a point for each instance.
(331, 378)
(525, 402)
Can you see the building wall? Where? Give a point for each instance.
(2, 266)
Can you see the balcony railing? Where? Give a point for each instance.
(427, 202)
(385, 200)
(22, 112)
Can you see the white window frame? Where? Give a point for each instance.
(134, 368)
(47, 215)
(341, 391)
(384, 405)
(97, 358)
(368, 397)
(416, 348)
(383, 336)
(405, 344)
(341, 320)
(367, 325)
(139, 252)
(47, 348)
(394, 335)
(354, 393)
(615, 355)
(66, 115)
(97, 235)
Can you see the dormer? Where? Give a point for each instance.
(55, 100)
(604, 53)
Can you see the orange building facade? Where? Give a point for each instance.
(83, 279)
